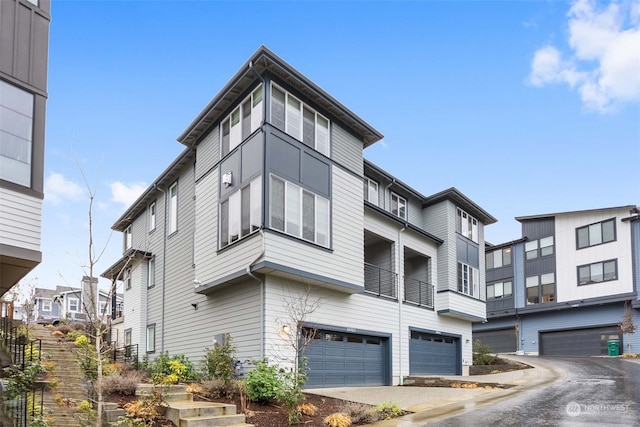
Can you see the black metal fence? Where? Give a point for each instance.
(379, 281)
(418, 292)
(126, 355)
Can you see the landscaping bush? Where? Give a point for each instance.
(166, 369)
(219, 362)
(64, 328)
(482, 354)
(263, 382)
(359, 413)
(387, 411)
(124, 384)
(338, 420)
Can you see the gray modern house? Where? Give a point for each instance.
(271, 200)
(564, 286)
(24, 46)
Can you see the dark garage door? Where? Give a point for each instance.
(578, 342)
(499, 340)
(338, 359)
(431, 354)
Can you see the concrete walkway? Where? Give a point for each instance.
(434, 403)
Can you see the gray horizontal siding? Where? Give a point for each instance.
(346, 149)
(208, 152)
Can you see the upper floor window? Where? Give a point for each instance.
(371, 191)
(398, 206)
(173, 208)
(151, 338)
(241, 213)
(596, 234)
(242, 121)
(127, 278)
(151, 272)
(498, 258)
(467, 225)
(103, 307)
(541, 288)
(46, 304)
(299, 212)
(468, 279)
(500, 289)
(74, 305)
(128, 238)
(302, 122)
(16, 134)
(152, 216)
(597, 272)
(539, 248)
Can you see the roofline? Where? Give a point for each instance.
(370, 135)
(549, 215)
(395, 180)
(402, 222)
(457, 196)
(491, 247)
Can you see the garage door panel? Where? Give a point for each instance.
(578, 342)
(432, 354)
(499, 340)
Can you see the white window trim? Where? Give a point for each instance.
(235, 131)
(372, 189)
(151, 338)
(404, 204)
(46, 303)
(255, 211)
(78, 309)
(152, 216)
(173, 208)
(151, 272)
(127, 279)
(463, 219)
(472, 286)
(128, 238)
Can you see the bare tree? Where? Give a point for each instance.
(626, 325)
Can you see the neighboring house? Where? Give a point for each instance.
(562, 288)
(68, 303)
(23, 96)
(265, 201)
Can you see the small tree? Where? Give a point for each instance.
(626, 325)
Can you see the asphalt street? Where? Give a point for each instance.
(593, 391)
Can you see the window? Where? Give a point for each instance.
(242, 121)
(16, 134)
(151, 338)
(500, 290)
(398, 206)
(103, 306)
(596, 234)
(241, 213)
(127, 337)
(152, 216)
(151, 272)
(539, 248)
(128, 238)
(598, 272)
(468, 279)
(371, 191)
(74, 305)
(173, 208)
(531, 249)
(540, 288)
(127, 279)
(294, 117)
(467, 225)
(546, 246)
(299, 212)
(498, 258)
(46, 305)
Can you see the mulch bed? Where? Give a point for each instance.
(500, 365)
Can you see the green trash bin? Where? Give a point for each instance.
(614, 347)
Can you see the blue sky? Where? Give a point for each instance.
(526, 107)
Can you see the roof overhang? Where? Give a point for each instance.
(116, 271)
(456, 196)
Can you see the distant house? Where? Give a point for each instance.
(271, 196)
(562, 288)
(68, 303)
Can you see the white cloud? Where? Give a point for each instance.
(126, 194)
(58, 189)
(603, 64)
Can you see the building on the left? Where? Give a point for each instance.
(24, 49)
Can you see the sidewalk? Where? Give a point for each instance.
(433, 403)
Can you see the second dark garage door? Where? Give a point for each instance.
(499, 340)
(578, 342)
(337, 359)
(432, 354)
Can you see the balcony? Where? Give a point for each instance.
(417, 286)
(418, 292)
(380, 282)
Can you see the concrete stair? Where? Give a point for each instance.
(184, 412)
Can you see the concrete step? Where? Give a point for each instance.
(187, 408)
(220, 420)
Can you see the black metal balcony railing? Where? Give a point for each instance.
(127, 354)
(379, 281)
(418, 292)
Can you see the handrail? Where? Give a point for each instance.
(418, 292)
(379, 281)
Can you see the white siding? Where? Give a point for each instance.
(20, 220)
(457, 303)
(568, 258)
(135, 309)
(346, 149)
(208, 152)
(439, 220)
(414, 210)
(345, 263)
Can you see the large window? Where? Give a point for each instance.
(498, 258)
(539, 248)
(46, 305)
(241, 213)
(596, 234)
(371, 191)
(152, 216)
(127, 279)
(541, 288)
(398, 206)
(151, 338)
(598, 272)
(468, 279)
(242, 121)
(500, 290)
(16, 134)
(173, 208)
(74, 305)
(299, 212)
(128, 238)
(151, 272)
(302, 122)
(467, 225)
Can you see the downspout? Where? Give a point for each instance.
(400, 328)
(262, 293)
(164, 264)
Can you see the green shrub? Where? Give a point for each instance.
(359, 413)
(219, 363)
(124, 384)
(387, 411)
(178, 367)
(263, 383)
(482, 354)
